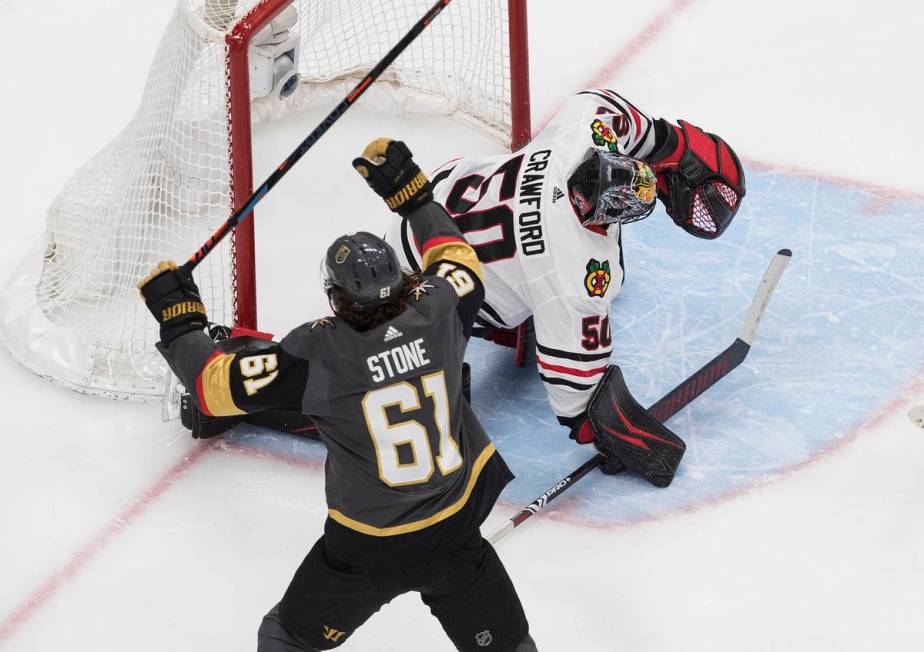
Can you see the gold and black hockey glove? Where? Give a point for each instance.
(173, 298)
(389, 168)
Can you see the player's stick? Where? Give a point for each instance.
(313, 137)
(682, 395)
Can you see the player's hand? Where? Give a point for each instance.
(583, 433)
(389, 169)
(699, 178)
(173, 298)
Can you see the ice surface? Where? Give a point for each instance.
(794, 521)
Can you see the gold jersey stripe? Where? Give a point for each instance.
(215, 387)
(455, 251)
(416, 526)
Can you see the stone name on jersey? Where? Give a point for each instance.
(398, 360)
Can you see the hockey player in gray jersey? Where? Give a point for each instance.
(410, 473)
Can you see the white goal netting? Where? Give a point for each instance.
(72, 312)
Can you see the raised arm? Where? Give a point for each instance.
(389, 169)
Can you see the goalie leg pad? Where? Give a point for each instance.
(628, 436)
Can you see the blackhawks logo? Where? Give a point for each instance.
(644, 183)
(603, 135)
(598, 277)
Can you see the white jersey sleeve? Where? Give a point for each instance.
(611, 121)
(573, 347)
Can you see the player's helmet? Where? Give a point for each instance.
(366, 270)
(608, 187)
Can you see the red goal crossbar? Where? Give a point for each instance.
(244, 279)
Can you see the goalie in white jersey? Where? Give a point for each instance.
(546, 224)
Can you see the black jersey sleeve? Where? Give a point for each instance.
(239, 376)
(446, 254)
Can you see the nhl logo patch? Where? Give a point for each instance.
(342, 253)
(598, 277)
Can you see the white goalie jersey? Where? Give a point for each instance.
(537, 258)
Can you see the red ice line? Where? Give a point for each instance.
(562, 515)
(634, 47)
(104, 537)
(82, 558)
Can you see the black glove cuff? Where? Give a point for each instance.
(665, 141)
(417, 192)
(170, 333)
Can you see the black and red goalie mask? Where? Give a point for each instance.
(701, 181)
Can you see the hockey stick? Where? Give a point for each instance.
(313, 137)
(682, 395)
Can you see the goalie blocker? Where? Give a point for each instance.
(628, 436)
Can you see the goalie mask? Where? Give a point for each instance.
(365, 269)
(607, 188)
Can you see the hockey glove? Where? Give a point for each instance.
(700, 179)
(173, 298)
(389, 169)
(628, 436)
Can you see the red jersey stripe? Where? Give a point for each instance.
(435, 242)
(583, 373)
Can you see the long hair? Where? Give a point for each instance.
(364, 321)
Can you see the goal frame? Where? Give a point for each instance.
(237, 42)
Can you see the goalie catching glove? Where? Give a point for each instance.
(628, 436)
(700, 179)
(173, 298)
(389, 168)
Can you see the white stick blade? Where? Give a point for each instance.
(764, 292)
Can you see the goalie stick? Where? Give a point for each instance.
(313, 137)
(682, 395)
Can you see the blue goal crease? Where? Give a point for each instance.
(841, 337)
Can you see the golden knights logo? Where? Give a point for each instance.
(598, 277)
(333, 635)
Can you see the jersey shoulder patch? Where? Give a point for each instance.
(303, 340)
(433, 297)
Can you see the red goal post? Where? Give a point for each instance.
(238, 42)
(71, 312)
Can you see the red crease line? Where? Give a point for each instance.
(85, 555)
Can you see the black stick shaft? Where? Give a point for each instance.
(682, 395)
(665, 408)
(313, 137)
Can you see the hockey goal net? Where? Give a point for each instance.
(72, 313)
